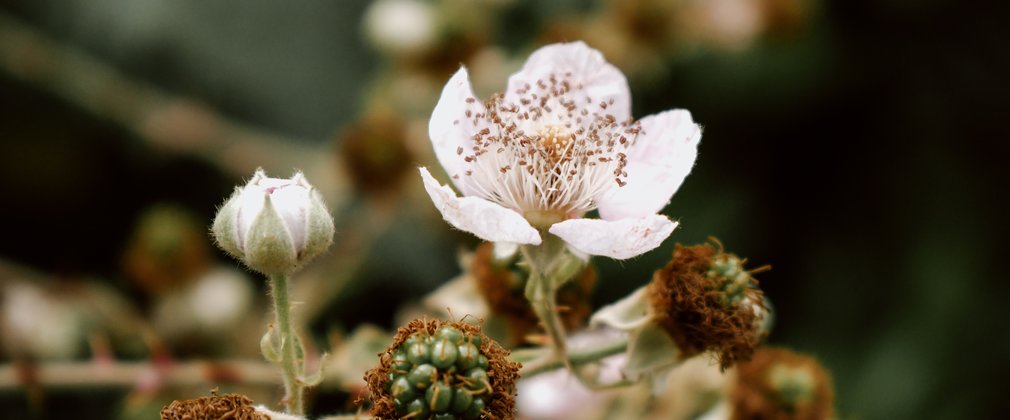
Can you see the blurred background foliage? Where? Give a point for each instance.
(859, 147)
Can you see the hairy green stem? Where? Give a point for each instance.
(541, 288)
(550, 268)
(290, 346)
(549, 362)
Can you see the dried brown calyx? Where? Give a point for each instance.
(781, 384)
(374, 149)
(228, 406)
(441, 368)
(502, 288)
(706, 301)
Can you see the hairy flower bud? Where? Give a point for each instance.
(274, 225)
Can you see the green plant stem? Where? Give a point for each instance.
(541, 289)
(293, 388)
(549, 362)
(550, 268)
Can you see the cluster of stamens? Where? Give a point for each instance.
(548, 147)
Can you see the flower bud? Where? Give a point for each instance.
(274, 225)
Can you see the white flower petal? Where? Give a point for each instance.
(484, 219)
(629, 313)
(618, 239)
(579, 254)
(290, 201)
(289, 197)
(555, 395)
(659, 160)
(600, 80)
(451, 131)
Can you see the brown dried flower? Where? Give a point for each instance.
(374, 150)
(779, 384)
(228, 406)
(706, 302)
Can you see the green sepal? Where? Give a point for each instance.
(650, 348)
(225, 226)
(317, 377)
(319, 228)
(267, 347)
(269, 248)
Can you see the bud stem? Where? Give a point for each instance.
(290, 346)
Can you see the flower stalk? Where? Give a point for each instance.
(291, 351)
(535, 362)
(549, 269)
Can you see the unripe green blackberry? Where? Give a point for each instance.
(443, 370)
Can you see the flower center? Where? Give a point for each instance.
(556, 145)
(547, 148)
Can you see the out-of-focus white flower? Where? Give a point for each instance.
(39, 325)
(400, 26)
(732, 24)
(560, 395)
(212, 306)
(274, 225)
(560, 142)
(221, 298)
(555, 395)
